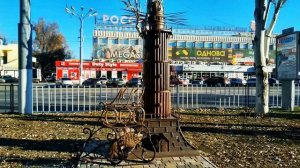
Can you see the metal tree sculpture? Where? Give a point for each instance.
(151, 27)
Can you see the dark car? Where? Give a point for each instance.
(90, 82)
(252, 82)
(9, 79)
(273, 81)
(115, 82)
(175, 81)
(198, 81)
(134, 82)
(217, 81)
(237, 82)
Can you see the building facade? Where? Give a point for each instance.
(9, 61)
(193, 52)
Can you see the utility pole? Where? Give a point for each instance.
(25, 59)
(81, 16)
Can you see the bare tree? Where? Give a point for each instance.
(49, 46)
(48, 38)
(263, 32)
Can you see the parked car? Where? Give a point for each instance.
(251, 82)
(116, 82)
(8, 79)
(198, 82)
(90, 82)
(238, 82)
(185, 81)
(175, 81)
(272, 81)
(51, 78)
(64, 82)
(2, 80)
(217, 81)
(134, 82)
(102, 81)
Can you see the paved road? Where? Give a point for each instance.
(167, 162)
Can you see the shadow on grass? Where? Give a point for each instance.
(286, 115)
(219, 114)
(289, 133)
(60, 145)
(233, 125)
(283, 115)
(68, 119)
(40, 162)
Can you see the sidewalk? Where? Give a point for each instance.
(166, 162)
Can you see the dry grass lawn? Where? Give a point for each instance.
(229, 138)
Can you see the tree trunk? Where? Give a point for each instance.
(262, 86)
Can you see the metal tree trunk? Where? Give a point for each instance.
(156, 74)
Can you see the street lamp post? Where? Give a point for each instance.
(81, 16)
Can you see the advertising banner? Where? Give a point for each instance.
(205, 55)
(122, 52)
(286, 57)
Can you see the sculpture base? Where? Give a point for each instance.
(168, 139)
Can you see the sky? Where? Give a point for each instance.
(231, 13)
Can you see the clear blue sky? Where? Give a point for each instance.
(237, 13)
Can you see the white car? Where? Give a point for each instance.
(64, 82)
(184, 81)
(102, 81)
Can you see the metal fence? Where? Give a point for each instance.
(49, 98)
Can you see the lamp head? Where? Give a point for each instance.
(68, 10)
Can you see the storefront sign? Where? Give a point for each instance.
(91, 64)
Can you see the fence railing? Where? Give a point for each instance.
(49, 98)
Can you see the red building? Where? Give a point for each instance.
(92, 69)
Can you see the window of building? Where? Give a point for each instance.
(199, 45)
(95, 41)
(235, 46)
(102, 41)
(250, 46)
(113, 41)
(134, 42)
(243, 46)
(172, 44)
(181, 44)
(208, 45)
(271, 47)
(227, 45)
(217, 45)
(123, 41)
(141, 41)
(190, 44)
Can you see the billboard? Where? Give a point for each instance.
(205, 55)
(287, 57)
(122, 52)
